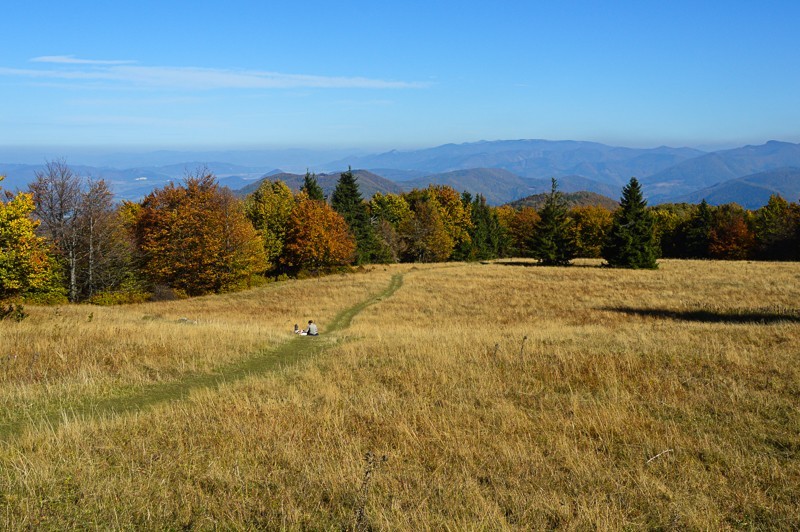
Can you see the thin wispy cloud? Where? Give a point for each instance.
(72, 60)
(127, 75)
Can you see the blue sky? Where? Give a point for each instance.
(382, 75)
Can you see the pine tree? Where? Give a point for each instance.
(487, 237)
(347, 201)
(630, 242)
(698, 231)
(311, 187)
(553, 241)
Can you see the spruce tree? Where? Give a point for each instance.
(698, 232)
(553, 242)
(630, 242)
(347, 201)
(487, 235)
(311, 187)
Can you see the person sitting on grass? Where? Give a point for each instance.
(311, 330)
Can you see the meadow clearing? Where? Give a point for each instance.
(448, 396)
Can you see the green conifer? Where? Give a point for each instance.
(347, 201)
(311, 187)
(630, 242)
(553, 242)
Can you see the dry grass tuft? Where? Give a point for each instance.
(503, 397)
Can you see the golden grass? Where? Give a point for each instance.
(503, 397)
(60, 355)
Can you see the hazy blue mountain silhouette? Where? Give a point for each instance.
(715, 168)
(751, 191)
(539, 159)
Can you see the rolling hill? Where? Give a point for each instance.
(716, 168)
(540, 159)
(752, 191)
(368, 183)
(502, 171)
(574, 199)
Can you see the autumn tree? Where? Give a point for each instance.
(456, 214)
(669, 220)
(630, 241)
(268, 209)
(774, 229)
(590, 225)
(317, 237)
(27, 270)
(488, 238)
(78, 216)
(389, 212)
(730, 237)
(57, 195)
(106, 259)
(425, 233)
(521, 225)
(195, 237)
(552, 243)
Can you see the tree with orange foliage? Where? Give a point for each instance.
(730, 237)
(195, 237)
(317, 237)
(521, 226)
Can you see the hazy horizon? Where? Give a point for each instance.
(75, 154)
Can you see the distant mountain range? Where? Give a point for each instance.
(541, 159)
(751, 191)
(135, 183)
(502, 171)
(715, 168)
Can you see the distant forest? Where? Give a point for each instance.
(67, 239)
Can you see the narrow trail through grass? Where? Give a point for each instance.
(293, 351)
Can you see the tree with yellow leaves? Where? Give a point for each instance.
(27, 270)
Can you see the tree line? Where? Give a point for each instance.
(67, 239)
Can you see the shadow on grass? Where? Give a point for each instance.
(533, 263)
(524, 264)
(760, 316)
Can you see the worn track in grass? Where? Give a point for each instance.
(297, 349)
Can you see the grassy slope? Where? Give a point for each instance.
(501, 396)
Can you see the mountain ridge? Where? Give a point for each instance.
(501, 170)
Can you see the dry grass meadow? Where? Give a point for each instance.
(469, 397)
